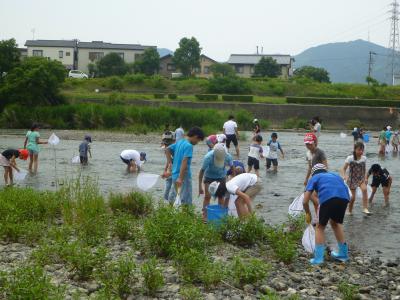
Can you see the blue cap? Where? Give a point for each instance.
(143, 155)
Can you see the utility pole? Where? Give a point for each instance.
(394, 41)
(370, 64)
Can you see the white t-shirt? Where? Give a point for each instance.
(241, 182)
(230, 127)
(350, 159)
(317, 129)
(132, 155)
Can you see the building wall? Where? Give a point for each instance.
(164, 67)
(53, 53)
(83, 56)
(205, 64)
(248, 70)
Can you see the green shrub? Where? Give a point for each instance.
(134, 78)
(237, 98)
(157, 82)
(152, 275)
(115, 83)
(191, 293)
(135, 203)
(351, 124)
(229, 84)
(124, 227)
(169, 231)
(283, 242)
(207, 97)
(344, 101)
(247, 271)
(245, 233)
(159, 96)
(115, 99)
(118, 277)
(294, 123)
(172, 96)
(348, 291)
(28, 282)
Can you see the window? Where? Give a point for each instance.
(137, 56)
(171, 67)
(121, 54)
(60, 54)
(95, 55)
(67, 53)
(206, 70)
(251, 69)
(196, 70)
(37, 53)
(239, 68)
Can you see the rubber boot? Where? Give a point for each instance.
(342, 254)
(318, 254)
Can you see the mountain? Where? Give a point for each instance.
(346, 62)
(164, 51)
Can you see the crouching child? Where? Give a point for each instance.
(333, 198)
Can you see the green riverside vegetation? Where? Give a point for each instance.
(74, 226)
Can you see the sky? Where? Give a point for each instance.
(221, 26)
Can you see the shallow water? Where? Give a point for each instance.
(378, 233)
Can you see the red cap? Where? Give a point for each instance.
(310, 138)
(23, 154)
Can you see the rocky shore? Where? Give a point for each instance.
(373, 278)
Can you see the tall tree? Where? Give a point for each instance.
(187, 56)
(267, 67)
(9, 56)
(317, 74)
(221, 70)
(149, 62)
(111, 64)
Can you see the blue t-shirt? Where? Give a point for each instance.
(211, 170)
(181, 150)
(388, 135)
(328, 185)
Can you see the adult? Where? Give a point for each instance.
(213, 169)
(231, 131)
(7, 160)
(32, 142)
(241, 189)
(179, 133)
(133, 160)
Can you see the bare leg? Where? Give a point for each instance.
(363, 188)
(237, 150)
(6, 175)
(338, 231)
(35, 162)
(374, 189)
(386, 193)
(241, 208)
(257, 173)
(320, 234)
(206, 201)
(314, 199)
(249, 168)
(10, 175)
(30, 162)
(352, 200)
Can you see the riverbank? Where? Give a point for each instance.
(74, 243)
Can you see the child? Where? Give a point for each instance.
(179, 133)
(182, 152)
(382, 141)
(168, 192)
(389, 134)
(272, 156)
(356, 163)
(232, 134)
(256, 128)
(133, 159)
(211, 141)
(31, 143)
(84, 148)
(395, 141)
(255, 153)
(333, 198)
(7, 160)
(316, 126)
(239, 169)
(380, 177)
(243, 187)
(167, 137)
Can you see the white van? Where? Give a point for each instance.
(77, 74)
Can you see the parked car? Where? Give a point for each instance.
(77, 74)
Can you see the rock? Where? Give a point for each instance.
(392, 264)
(92, 287)
(226, 292)
(173, 288)
(211, 296)
(295, 278)
(383, 273)
(248, 288)
(265, 289)
(365, 290)
(312, 292)
(291, 291)
(278, 285)
(236, 297)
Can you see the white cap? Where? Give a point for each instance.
(355, 128)
(219, 155)
(255, 120)
(389, 127)
(213, 187)
(221, 138)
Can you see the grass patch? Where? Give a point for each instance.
(348, 291)
(152, 275)
(247, 271)
(135, 203)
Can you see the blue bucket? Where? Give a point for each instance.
(216, 213)
(366, 137)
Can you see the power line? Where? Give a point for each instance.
(394, 42)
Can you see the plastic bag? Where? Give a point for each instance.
(389, 148)
(308, 239)
(296, 208)
(232, 211)
(76, 160)
(146, 181)
(343, 135)
(20, 176)
(178, 201)
(54, 140)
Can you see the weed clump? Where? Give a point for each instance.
(247, 271)
(348, 291)
(153, 278)
(124, 227)
(135, 203)
(283, 242)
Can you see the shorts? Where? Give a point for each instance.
(208, 180)
(33, 151)
(333, 209)
(253, 162)
(274, 161)
(4, 161)
(83, 159)
(253, 190)
(127, 161)
(377, 181)
(231, 138)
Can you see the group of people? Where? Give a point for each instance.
(388, 137)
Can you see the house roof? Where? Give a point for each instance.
(205, 56)
(50, 43)
(166, 56)
(102, 45)
(253, 59)
(202, 55)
